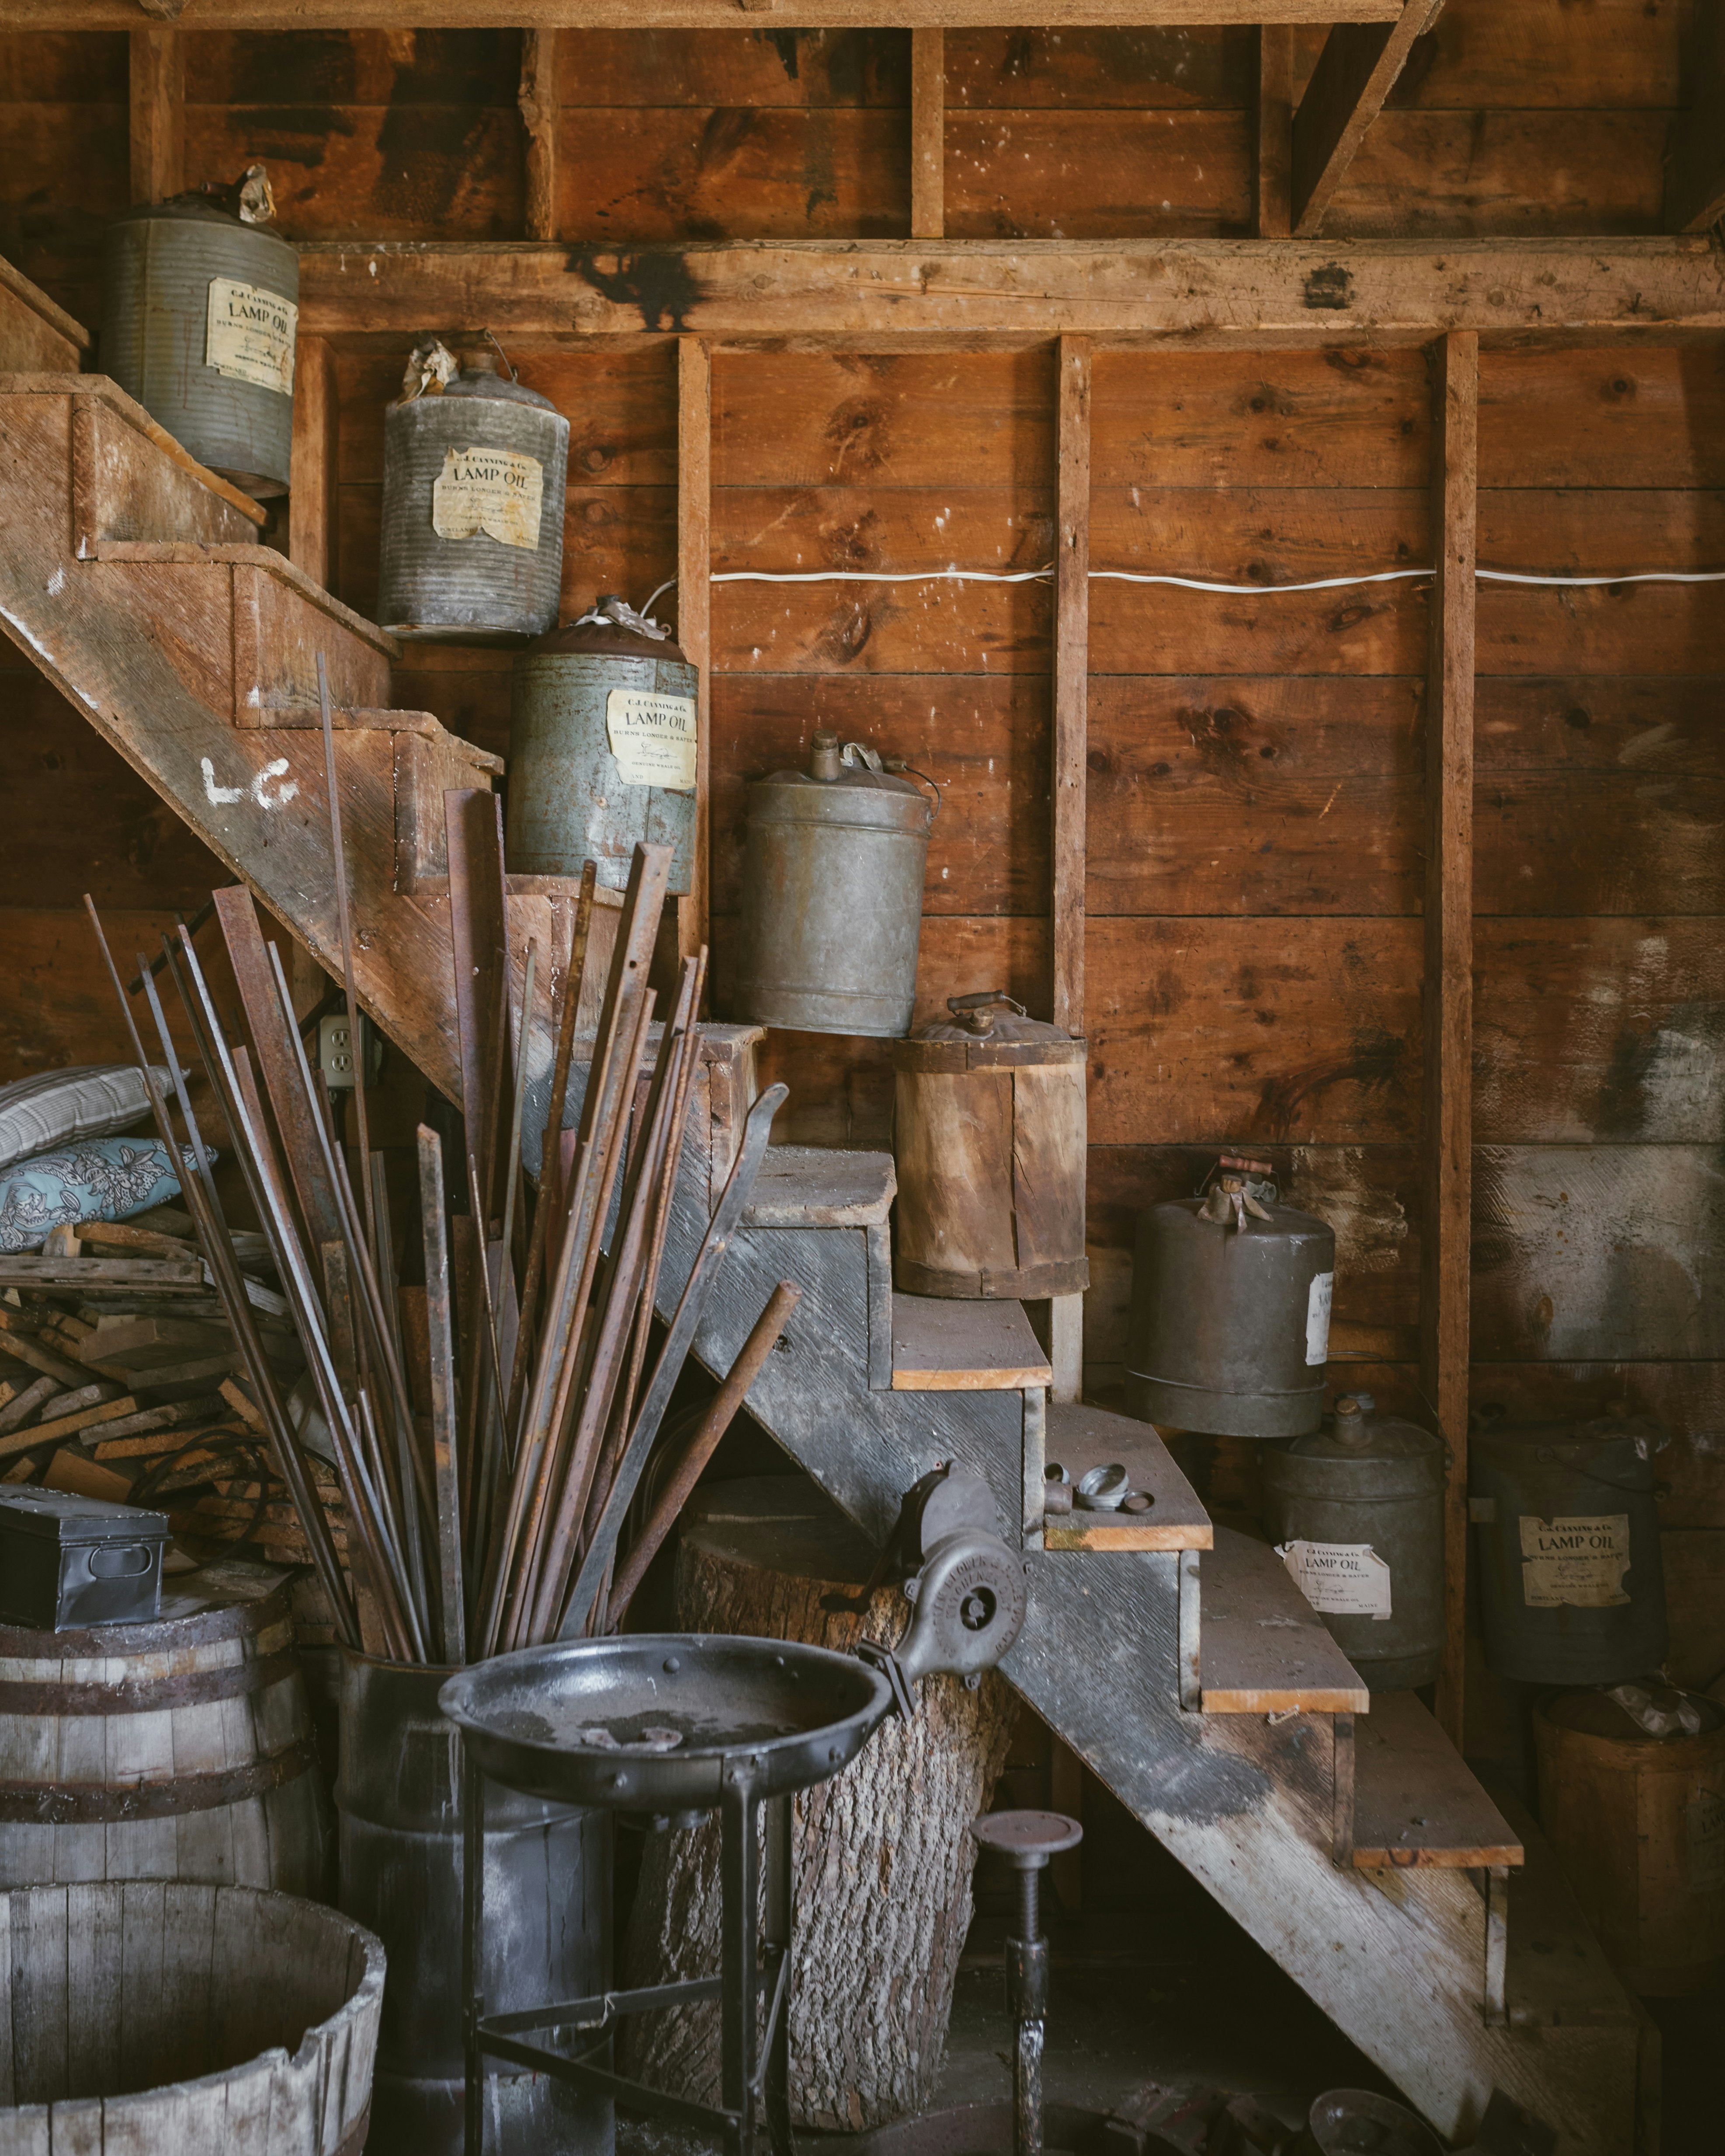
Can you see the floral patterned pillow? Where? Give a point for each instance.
(99, 1179)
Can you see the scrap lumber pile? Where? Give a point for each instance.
(460, 1460)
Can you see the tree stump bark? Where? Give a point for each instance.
(881, 1854)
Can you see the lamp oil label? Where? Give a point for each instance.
(249, 335)
(495, 492)
(653, 738)
(1577, 1564)
(1318, 1298)
(1339, 1579)
(1704, 1815)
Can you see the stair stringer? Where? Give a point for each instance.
(1396, 1959)
(145, 650)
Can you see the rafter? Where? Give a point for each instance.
(62, 15)
(1356, 71)
(1695, 167)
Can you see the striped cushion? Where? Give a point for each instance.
(54, 1107)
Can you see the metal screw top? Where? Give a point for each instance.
(1026, 1839)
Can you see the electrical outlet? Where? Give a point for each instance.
(335, 1050)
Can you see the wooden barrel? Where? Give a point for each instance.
(157, 2016)
(1638, 1822)
(882, 1853)
(181, 1749)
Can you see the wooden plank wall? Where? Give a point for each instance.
(1254, 763)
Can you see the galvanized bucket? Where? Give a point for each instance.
(547, 1929)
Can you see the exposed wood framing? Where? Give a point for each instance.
(1203, 291)
(314, 496)
(63, 15)
(1447, 1011)
(538, 101)
(158, 114)
(1276, 128)
(694, 503)
(928, 134)
(1694, 165)
(1071, 714)
(1356, 71)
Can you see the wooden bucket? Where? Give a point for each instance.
(1638, 1822)
(151, 2016)
(181, 1749)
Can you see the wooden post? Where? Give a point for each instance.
(158, 115)
(1275, 128)
(928, 134)
(1071, 685)
(694, 501)
(538, 99)
(313, 474)
(1447, 1118)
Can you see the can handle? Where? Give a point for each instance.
(120, 1560)
(982, 1000)
(894, 764)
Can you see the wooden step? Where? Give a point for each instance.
(1264, 1649)
(941, 1345)
(1079, 1438)
(37, 335)
(818, 1186)
(1415, 1800)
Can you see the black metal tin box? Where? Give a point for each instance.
(67, 1561)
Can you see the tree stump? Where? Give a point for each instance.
(881, 1854)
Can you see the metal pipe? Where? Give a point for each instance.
(354, 1035)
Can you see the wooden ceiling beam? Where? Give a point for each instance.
(62, 15)
(1222, 292)
(1355, 73)
(1695, 164)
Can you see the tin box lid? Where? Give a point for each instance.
(985, 1030)
(611, 629)
(1357, 1431)
(59, 1515)
(1640, 1435)
(991, 1014)
(479, 377)
(1601, 1713)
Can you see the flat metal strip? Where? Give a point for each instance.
(152, 1694)
(46, 1804)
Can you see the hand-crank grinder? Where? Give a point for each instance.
(672, 1726)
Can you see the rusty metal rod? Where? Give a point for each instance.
(356, 1040)
(444, 1418)
(701, 1447)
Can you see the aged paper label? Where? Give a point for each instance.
(1339, 1579)
(495, 492)
(1705, 1816)
(249, 335)
(1318, 1297)
(1578, 1561)
(653, 737)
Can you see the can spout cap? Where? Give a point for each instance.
(824, 758)
(1353, 1417)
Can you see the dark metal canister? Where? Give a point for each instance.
(472, 542)
(199, 315)
(1357, 1511)
(547, 1921)
(1566, 1536)
(1229, 1328)
(603, 736)
(831, 896)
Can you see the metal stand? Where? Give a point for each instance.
(1027, 1841)
(755, 1957)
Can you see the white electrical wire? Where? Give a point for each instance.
(1185, 583)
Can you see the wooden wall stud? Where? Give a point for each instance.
(1446, 1127)
(1071, 707)
(1276, 128)
(928, 134)
(158, 115)
(538, 101)
(314, 480)
(1695, 167)
(695, 501)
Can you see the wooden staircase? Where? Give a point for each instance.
(1176, 1658)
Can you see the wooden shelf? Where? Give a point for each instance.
(1080, 1438)
(1414, 1801)
(941, 1345)
(1264, 1649)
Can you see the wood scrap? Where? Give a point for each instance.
(27, 1403)
(44, 1433)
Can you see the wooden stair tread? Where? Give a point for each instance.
(941, 1345)
(50, 311)
(1415, 1800)
(110, 393)
(1080, 1438)
(1263, 1648)
(818, 1187)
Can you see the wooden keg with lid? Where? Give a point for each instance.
(988, 1133)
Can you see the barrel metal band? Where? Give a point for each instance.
(47, 1803)
(152, 1694)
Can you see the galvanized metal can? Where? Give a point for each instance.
(472, 542)
(547, 1921)
(603, 731)
(1566, 1529)
(199, 315)
(1229, 1327)
(832, 895)
(1357, 1511)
